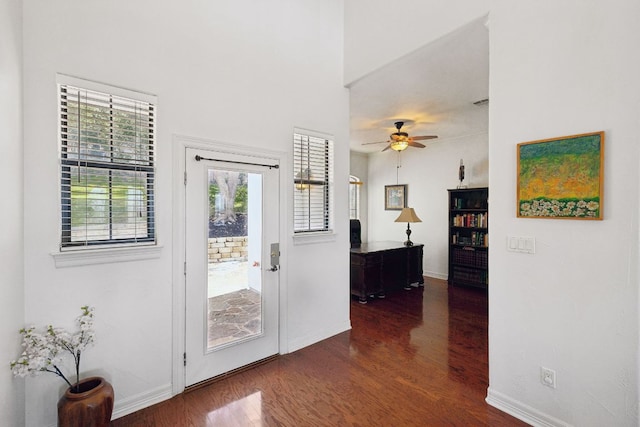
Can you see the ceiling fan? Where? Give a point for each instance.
(400, 141)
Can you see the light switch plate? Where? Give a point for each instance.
(525, 245)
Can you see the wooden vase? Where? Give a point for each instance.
(88, 405)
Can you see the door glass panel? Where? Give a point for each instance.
(234, 286)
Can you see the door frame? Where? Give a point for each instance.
(180, 143)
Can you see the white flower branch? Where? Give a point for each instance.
(43, 351)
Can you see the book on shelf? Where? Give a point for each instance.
(476, 238)
(477, 220)
(460, 203)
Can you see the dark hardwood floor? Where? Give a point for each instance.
(416, 358)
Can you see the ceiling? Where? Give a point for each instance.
(432, 90)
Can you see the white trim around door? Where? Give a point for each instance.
(180, 144)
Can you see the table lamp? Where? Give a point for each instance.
(408, 215)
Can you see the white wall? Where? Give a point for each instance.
(428, 172)
(378, 32)
(573, 306)
(557, 68)
(239, 72)
(11, 223)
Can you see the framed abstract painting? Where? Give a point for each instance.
(561, 178)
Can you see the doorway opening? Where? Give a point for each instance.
(231, 295)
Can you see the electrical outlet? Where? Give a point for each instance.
(548, 377)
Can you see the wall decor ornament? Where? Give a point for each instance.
(395, 197)
(461, 175)
(561, 178)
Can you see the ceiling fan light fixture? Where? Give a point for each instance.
(399, 145)
(399, 136)
(399, 140)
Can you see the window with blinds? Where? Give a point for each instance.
(313, 179)
(107, 162)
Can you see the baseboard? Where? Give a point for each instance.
(140, 401)
(435, 275)
(522, 411)
(308, 340)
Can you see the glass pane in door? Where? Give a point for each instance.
(234, 254)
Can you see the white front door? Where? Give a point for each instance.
(232, 288)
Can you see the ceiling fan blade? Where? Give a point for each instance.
(422, 138)
(386, 148)
(378, 142)
(416, 144)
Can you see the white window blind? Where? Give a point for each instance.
(107, 162)
(313, 179)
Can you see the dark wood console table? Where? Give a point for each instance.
(378, 267)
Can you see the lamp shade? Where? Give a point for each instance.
(408, 215)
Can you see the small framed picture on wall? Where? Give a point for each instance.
(395, 197)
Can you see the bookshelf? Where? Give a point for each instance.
(469, 237)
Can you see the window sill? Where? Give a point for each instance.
(310, 238)
(104, 256)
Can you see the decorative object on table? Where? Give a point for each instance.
(395, 197)
(86, 403)
(408, 215)
(461, 174)
(561, 177)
